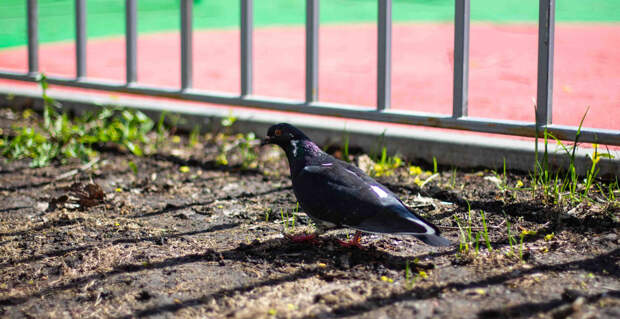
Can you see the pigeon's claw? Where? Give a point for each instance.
(354, 242)
(303, 238)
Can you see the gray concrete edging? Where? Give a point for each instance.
(450, 148)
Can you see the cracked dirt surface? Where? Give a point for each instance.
(208, 242)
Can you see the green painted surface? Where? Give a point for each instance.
(106, 17)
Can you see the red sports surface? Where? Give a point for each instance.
(503, 65)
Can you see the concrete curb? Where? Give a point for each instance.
(460, 149)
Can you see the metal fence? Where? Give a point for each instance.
(311, 105)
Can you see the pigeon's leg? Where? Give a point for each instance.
(312, 238)
(303, 238)
(354, 242)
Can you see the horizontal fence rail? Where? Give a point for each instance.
(312, 105)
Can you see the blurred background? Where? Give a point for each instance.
(503, 51)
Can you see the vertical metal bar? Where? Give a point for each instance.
(246, 46)
(461, 58)
(80, 38)
(33, 37)
(384, 55)
(131, 35)
(312, 50)
(187, 7)
(546, 30)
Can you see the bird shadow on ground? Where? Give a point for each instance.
(328, 250)
(282, 252)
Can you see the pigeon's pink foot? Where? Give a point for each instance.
(303, 238)
(354, 242)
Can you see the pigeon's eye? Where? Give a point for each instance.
(278, 132)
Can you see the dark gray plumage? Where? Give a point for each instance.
(337, 194)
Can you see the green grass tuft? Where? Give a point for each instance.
(59, 138)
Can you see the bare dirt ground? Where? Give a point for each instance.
(207, 241)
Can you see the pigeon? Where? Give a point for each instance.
(337, 194)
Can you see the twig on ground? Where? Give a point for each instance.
(474, 228)
(429, 179)
(77, 170)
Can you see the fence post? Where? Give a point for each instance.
(33, 37)
(384, 54)
(461, 58)
(247, 20)
(546, 30)
(80, 39)
(131, 35)
(186, 44)
(312, 50)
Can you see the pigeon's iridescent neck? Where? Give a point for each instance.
(300, 153)
(302, 148)
(311, 148)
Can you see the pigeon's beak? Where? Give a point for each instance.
(267, 140)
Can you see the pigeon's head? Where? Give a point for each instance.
(283, 134)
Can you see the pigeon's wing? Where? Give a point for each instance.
(342, 194)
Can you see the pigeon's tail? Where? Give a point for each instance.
(434, 240)
(431, 237)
